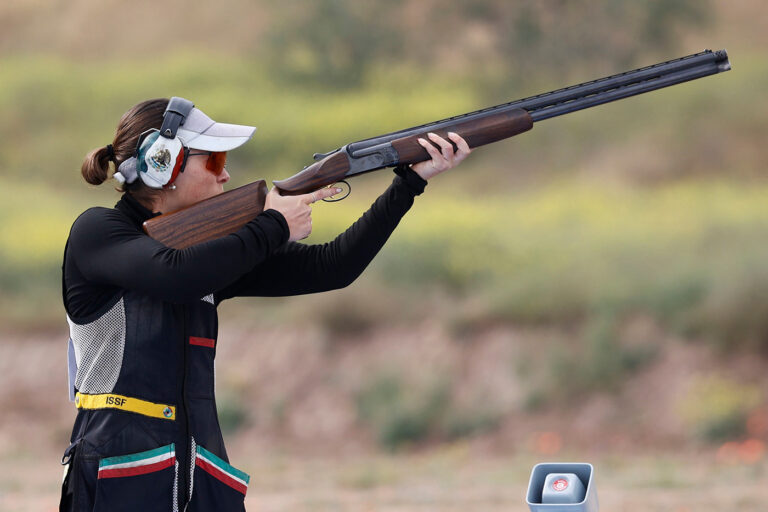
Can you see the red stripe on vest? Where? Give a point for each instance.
(203, 342)
(220, 475)
(138, 470)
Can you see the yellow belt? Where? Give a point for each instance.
(125, 403)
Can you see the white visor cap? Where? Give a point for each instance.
(201, 132)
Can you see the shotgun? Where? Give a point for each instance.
(223, 214)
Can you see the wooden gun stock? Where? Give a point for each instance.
(209, 219)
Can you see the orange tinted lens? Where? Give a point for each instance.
(216, 162)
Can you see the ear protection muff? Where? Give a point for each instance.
(160, 154)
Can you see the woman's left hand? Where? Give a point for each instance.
(442, 159)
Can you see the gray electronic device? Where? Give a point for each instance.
(562, 487)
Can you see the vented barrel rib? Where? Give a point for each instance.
(581, 96)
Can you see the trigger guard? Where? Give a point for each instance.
(339, 184)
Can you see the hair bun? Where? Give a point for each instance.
(96, 166)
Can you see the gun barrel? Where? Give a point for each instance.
(628, 84)
(578, 97)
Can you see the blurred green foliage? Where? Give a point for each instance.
(399, 413)
(600, 363)
(333, 43)
(571, 252)
(337, 43)
(232, 413)
(403, 413)
(717, 408)
(57, 105)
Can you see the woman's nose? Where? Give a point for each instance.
(224, 176)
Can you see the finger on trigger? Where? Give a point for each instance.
(326, 192)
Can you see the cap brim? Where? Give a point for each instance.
(201, 132)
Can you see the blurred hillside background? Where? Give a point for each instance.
(596, 289)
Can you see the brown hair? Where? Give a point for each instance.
(143, 116)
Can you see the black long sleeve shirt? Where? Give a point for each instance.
(108, 252)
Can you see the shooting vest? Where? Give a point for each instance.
(147, 436)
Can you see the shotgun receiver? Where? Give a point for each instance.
(227, 212)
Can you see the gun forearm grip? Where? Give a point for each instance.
(476, 132)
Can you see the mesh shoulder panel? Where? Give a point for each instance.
(99, 347)
(208, 298)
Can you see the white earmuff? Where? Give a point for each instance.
(160, 154)
(159, 160)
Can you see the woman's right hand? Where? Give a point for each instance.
(297, 210)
